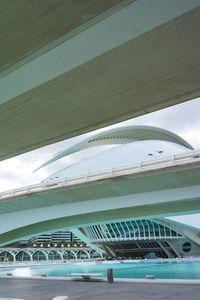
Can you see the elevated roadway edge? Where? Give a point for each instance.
(148, 59)
(163, 190)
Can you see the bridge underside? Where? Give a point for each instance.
(35, 24)
(164, 192)
(76, 221)
(83, 86)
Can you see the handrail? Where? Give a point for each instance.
(187, 157)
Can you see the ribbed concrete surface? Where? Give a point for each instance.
(30, 25)
(150, 72)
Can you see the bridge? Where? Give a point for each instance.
(161, 187)
(61, 75)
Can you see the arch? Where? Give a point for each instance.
(54, 255)
(23, 256)
(39, 255)
(6, 256)
(82, 254)
(95, 254)
(121, 135)
(23, 231)
(69, 254)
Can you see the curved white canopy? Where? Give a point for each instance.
(121, 135)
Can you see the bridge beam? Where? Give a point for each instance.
(73, 222)
(168, 190)
(147, 60)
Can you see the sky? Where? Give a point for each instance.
(182, 119)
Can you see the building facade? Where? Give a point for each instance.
(143, 238)
(56, 237)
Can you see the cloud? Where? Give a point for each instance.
(16, 172)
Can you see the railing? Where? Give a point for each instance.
(184, 158)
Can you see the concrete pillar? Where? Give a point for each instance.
(110, 275)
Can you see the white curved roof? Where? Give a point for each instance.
(122, 135)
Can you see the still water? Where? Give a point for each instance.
(160, 269)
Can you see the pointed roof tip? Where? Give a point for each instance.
(34, 171)
(43, 165)
(120, 135)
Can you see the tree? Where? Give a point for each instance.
(46, 243)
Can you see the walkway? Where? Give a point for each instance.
(47, 289)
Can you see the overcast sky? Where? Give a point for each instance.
(182, 119)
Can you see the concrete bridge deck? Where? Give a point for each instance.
(130, 58)
(161, 187)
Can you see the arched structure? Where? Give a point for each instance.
(121, 135)
(142, 229)
(95, 254)
(144, 237)
(170, 188)
(69, 254)
(39, 255)
(23, 256)
(82, 254)
(52, 254)
(6, 256)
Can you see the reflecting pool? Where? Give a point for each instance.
(180, 269)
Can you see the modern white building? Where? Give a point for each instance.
(124, 146)
(118, 147)
(144, 238)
